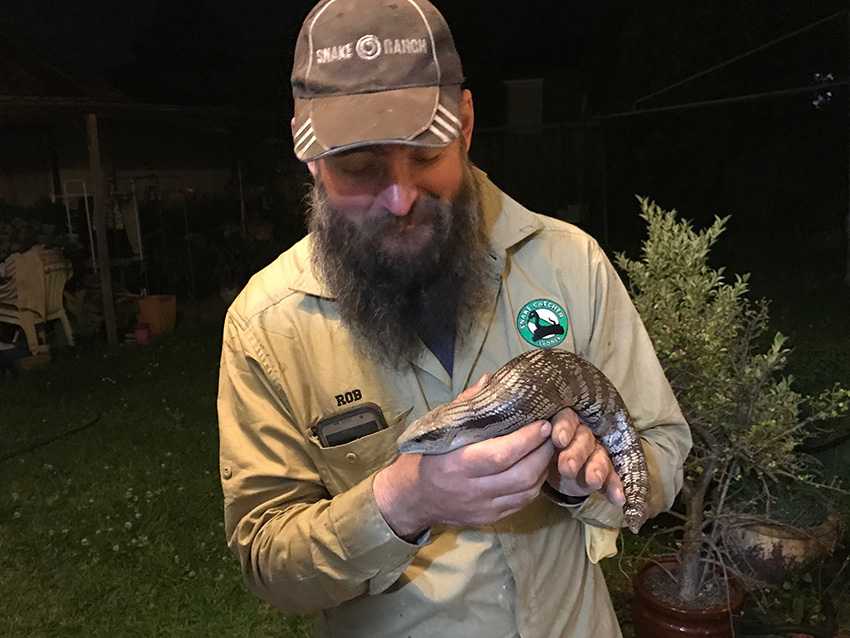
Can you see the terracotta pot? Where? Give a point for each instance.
(654, 618)
(159, 312)
(774, 553)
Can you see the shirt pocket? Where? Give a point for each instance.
(341, 467)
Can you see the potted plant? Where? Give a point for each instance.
(801, 530)
(747, 420)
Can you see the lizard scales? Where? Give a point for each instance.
(533, 386)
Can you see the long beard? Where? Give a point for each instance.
(388, 298)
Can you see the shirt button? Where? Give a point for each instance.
(226, 472)
(351, 457)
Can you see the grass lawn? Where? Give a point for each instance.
(116, 529)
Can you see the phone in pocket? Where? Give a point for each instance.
(339, 429)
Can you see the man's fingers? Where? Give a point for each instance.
(496, 455)
(526, 475)
(599, 476)
(573, 458)
(512, 503)
(584, 468)
(564, 426)
(597, 469)
(612, 487)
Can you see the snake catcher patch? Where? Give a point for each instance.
(542, 323)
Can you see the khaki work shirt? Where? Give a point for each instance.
(302, 518)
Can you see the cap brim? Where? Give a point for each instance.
(403, 116)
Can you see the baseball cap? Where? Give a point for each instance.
(374, 72)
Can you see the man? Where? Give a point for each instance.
(418, 278)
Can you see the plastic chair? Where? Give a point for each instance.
(33, 295)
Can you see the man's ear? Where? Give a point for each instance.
(311, 166)
(467, 116)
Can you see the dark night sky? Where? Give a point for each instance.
(97, 34)
(638, 45)
(102, 35)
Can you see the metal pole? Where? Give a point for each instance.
(88, 223)
(141, 236)
(67, 211)
(99, 197)
(847, 223)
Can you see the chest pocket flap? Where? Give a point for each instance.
(344, 466)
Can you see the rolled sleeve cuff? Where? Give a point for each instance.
(367, 538)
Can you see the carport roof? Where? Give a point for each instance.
(31, 86)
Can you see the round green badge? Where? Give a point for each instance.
(543, 323)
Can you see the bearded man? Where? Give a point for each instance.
(418, 277)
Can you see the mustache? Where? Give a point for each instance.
(429, 210)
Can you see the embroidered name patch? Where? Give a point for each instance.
(542, 323)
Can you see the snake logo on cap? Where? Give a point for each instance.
(542, 323)
(368, 47)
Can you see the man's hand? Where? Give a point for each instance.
(582, 465)
(477, 484)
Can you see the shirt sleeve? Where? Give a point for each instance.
(299, 548)
(619, 345)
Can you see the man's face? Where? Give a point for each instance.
(404, 257)
(400, 241)
(394, 193)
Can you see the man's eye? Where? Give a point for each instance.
(427, 159)
(359, 168)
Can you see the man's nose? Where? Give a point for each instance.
(400, 189)
(397, 198)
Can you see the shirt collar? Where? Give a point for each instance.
(308, 281)
(507, 222)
